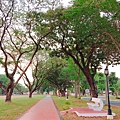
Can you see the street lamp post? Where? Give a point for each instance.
(109, 115)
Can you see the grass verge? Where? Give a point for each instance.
(63, 104)
(19, 104)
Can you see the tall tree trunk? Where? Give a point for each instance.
(90, 79)
(116, 93)
(9, 92)
(101, 91)
(62, 92)
(78, 87)
(30, 94)
(41, 90)
(75, 87)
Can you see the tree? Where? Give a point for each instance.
(74, 75)
(113, 79)
(47, 87)
(57, 75)
(17, 42)
(100, 81)
(84, 85)
(118, 89)
(3, 83)
(81, 34)
(39, 73)
(19, 89)
(113, 83)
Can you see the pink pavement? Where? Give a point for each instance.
(43, 110)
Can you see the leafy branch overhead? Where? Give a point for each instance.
(84, 34)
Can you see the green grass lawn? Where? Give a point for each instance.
(19, 104)
(63, 104)
(114, 98)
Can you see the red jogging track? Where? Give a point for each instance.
(44, 110)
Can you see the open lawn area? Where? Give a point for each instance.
(19, 104)
(63, 104)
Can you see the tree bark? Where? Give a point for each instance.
(101, 91)
(78, 87)
(30, 94)
(9, 92)
(116, 93)
(41, 91)
(75, 87)
(62, 92)
(90, 79)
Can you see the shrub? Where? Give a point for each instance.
(68, 103)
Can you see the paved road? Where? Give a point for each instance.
(112, 102)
